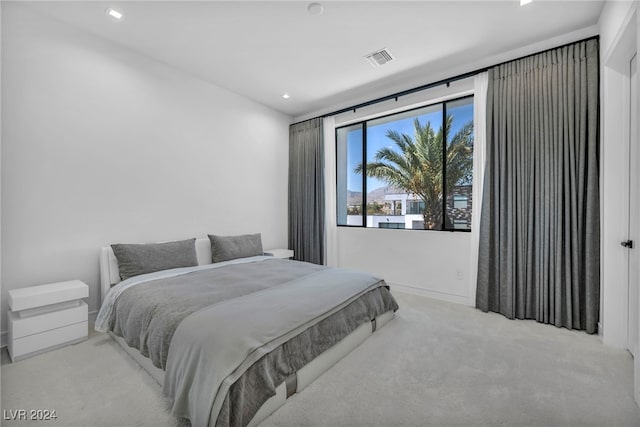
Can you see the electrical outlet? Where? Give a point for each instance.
(459, 275)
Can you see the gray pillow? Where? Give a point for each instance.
(225, 248)
(135, 259)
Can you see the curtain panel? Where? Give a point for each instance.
(539, 249)
(480, 85)
(331, 223)
(306, 191)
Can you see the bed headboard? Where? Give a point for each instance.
(110, 274)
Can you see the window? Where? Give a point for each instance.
(460, 201)
(416, 207)
(407, 170)
(350, 200)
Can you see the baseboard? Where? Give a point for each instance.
(92, 320)
(600, 329)
(458, 299)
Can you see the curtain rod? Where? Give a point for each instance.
(440, 82)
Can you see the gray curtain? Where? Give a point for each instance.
(539, 254)
(306, 191)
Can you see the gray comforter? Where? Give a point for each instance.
(228, 337)
(147, 315)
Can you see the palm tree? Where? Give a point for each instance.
(416, 165)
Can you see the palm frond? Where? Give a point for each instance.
(415, 163)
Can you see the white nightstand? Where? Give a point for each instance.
(279, 253)
(46, 317)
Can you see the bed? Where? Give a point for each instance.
(230, 341)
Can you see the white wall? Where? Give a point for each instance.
(419, 262)
(612, 17)
(618, 34)
(102, 145)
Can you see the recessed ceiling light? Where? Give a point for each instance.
(286, 96)
(114, 13)
(315, 9)
(524, 2)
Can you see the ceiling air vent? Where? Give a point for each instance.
(379, 57)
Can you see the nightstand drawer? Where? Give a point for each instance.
(20, 347)
(20, 326)
(43, 295)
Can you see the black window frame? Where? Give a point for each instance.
(363, 123)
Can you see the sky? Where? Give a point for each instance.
(461, 110)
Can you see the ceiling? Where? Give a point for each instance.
(264, 49)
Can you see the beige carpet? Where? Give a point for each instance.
(435, 364)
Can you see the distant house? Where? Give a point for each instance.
(389, 207)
